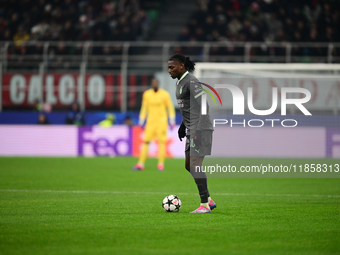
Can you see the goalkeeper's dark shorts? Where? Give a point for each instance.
(199, 151)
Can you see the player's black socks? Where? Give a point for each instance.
(202, 189)
(201, 182)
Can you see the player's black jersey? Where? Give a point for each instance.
(188, 95)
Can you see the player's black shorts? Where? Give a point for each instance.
(204, 149)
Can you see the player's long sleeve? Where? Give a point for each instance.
(197, 92)
(171, 110)
(143, 110)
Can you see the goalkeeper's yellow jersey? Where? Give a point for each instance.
(156, 107)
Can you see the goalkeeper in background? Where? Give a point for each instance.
(156, 107)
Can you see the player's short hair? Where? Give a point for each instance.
(188, 63)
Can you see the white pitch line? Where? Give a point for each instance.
(276, 195)
(161, 193)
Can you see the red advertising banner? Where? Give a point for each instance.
(62, 89)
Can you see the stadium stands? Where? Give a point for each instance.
(214, 20)
(74, 20)
(267, 24)
(52, 39)
(264, 20)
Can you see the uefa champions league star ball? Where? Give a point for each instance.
(171, 203)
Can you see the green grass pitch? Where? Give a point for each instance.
(99, 206)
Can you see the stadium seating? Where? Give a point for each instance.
(263, 21)
(260, 20)
(75, 20)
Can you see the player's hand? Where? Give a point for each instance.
(172, 123)
(181, 132)
(141, 123)
(198, 138)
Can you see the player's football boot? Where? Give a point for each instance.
(212, 204)
(201, 209)
(138, 167)
(160, 167)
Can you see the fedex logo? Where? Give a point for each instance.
(97, 141)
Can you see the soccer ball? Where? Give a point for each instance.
(171, 203)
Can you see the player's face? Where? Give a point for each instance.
(155, 84)
(175, 69)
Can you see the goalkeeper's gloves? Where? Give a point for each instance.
(181, 131)
(198, 138)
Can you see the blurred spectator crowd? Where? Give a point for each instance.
(280, 21)
(127, 20)
(72, 20)
(264, 21)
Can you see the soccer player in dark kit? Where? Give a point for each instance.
(196, 127)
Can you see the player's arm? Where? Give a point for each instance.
(143, 110)
(196, 92)
(171, 110)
